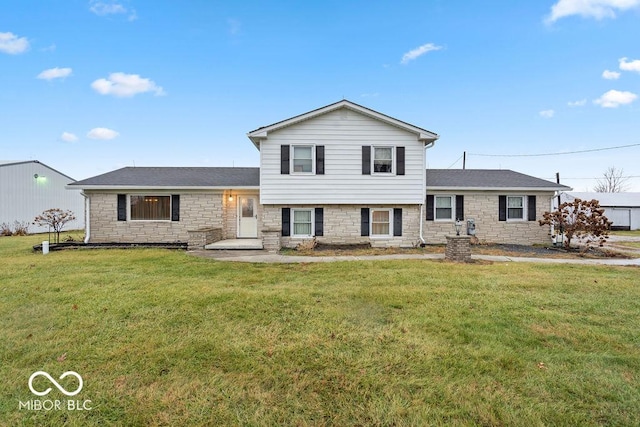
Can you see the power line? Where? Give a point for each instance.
(553, 154)
(455, 162)
(597, 177)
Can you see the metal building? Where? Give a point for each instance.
(623, 209)
(27, 188)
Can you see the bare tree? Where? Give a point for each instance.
(613, 181)
(56, 219)
(579, 219)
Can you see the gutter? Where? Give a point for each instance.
(87, 217)
(423, 242)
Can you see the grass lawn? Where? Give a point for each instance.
(163, 338)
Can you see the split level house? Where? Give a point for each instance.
(343, 173)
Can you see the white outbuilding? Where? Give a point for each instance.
(27, 188)
(623, 209)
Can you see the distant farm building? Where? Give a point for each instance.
(27, 188)
(623, 209)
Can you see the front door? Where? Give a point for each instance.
(247, 216)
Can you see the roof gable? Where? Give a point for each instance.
(4, 163)
(487, 179)
(263, 132)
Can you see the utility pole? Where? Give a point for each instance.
(464, 160)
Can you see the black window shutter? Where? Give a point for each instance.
(531, 203)
(175, 207)
(430, 203)
(366, 160)
(284, 159)
(502, 208)
(364, 221)
(319, 218)
(319, 159)
(459, 207)
(397, 221)
(122, 207)
(286, 221)
(399, 160)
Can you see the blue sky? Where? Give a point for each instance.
(88, 86)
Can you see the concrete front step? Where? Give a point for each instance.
(236, 244)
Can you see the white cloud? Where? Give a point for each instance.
(125, 85)
(547, 114)
(610, 75)
(54, 73)
(111, 8)
(615, 98)
(580, 103)
(597, 9)
(68, 137)
(234, 26)
(419, 51)
(630, 66)
(10, 43)
(102, 133)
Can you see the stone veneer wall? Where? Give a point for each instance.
(197, 210)
(342, 225)
(483, 208)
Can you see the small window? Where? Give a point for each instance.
(302, 223)
(382, 159)
(302, 159)
(380, 222)
(444, 207)
(150, 208)
(515, 207)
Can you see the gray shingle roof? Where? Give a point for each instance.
(487, 179)
(175, 177)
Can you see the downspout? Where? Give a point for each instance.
(87, 218)
(423, 242)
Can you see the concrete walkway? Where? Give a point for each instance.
(266, 257)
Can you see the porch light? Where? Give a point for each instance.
(458, 226)
(230, 197)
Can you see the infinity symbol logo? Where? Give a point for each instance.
(55, 383)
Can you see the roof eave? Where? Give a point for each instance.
(163, 188)
(466, 188)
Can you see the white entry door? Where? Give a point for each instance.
(247, 216)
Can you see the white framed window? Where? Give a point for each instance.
(444, 208)
(382, 160)
(515, 208)
(149, 208)
(381, 222)
(302, 222)
(302, 158)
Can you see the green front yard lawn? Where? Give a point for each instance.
(163, 338)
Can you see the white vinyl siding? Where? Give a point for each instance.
(342, 133)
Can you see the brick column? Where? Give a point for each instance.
(458, 248)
